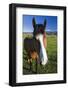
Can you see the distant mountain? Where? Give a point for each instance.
(47, 32)
(51, 32)
(27, 32)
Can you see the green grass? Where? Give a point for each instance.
(51, 66)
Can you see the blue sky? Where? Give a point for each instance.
(51, 25)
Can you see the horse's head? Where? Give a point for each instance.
(38, 28)
(39, 34)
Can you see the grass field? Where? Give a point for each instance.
(51, 66)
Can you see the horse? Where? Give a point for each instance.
(36, 45)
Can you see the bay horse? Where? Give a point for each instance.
(36, 46)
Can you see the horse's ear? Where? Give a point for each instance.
(33, 22)
(44, 23)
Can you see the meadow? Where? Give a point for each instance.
(51, 66)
